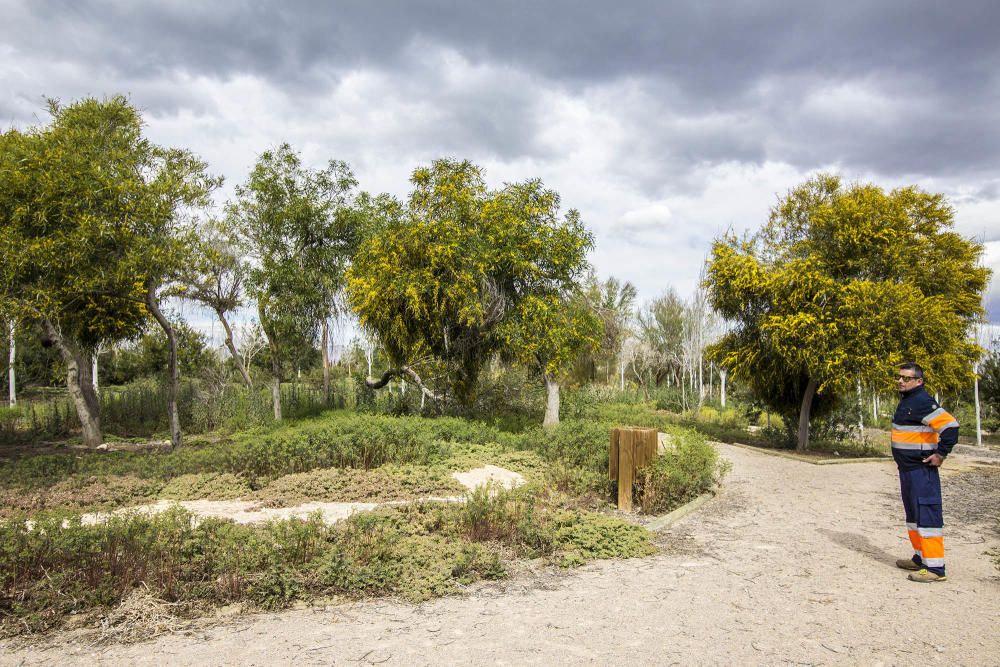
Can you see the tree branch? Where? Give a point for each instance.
(390, 373)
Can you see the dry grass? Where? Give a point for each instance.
(140, 616)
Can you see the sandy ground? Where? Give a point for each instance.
(792, 564)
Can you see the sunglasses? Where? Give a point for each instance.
(906, 378)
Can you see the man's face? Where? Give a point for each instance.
(906, 380)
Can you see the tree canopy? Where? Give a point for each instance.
(88, 229)
(298, 225)
(842, 285)
(455, 266)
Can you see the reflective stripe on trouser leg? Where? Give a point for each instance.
(932, 545)
(911, 530)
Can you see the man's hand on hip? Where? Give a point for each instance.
(934, 460)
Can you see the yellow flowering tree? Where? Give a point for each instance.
(90, 233)
(450, 273)
(841, 285)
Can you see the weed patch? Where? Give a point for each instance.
(390, 482)
(582, 537)
(206, 486)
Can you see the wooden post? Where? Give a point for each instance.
(626, 469)
(631, 449)
(613, 455)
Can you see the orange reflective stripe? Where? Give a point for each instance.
(915, 437)
(914, 539)
(932, 547)
(942, 421)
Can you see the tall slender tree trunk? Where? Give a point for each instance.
(722, 386)
(231, 346)
(979, 420)
(684, 400)
(276, 382)
(11, 358)
(326, 360)
(861, 413)
(804, 412)
(552, 403)
(93, 372)
(173, 372)
(272, 343)
(80, 386)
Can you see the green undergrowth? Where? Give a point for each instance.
(413, 551)
(573, 456)
(60, 567)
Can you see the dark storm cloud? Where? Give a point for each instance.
(991, 302)
(762, 62)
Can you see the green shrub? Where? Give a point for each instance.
(589, 536)
(687, 469)
(209, 486)
(390, 482)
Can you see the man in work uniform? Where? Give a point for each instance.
(923, 434)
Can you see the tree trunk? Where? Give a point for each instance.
(173, 372)
(979, 421)
(93, 373)
(12, 357)
(275, 364)
(552, 404)
(231, 346)
(684, 400)
(722, 387)
(326, 360)
(276, 382)
(79, 384)
(861, 413)
(804, 411)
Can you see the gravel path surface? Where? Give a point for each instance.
(792, 564)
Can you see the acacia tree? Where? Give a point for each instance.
(846, 282)
(297, 224)
(448, 273)
(546, 334)
(89, 214)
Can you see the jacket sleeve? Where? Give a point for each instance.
(946, 426)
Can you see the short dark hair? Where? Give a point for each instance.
(918, 372)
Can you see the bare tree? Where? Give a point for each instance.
(251, 343)
(216, 279)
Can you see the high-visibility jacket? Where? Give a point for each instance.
(920, 428)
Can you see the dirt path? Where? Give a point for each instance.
(791, 564)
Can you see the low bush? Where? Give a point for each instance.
(582, 537)
(390, 482)
(59, 566)
(207, 486)
(689, 467)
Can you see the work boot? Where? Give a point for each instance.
(907, 564)
(926, 577)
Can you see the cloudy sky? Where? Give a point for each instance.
(664, 123)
